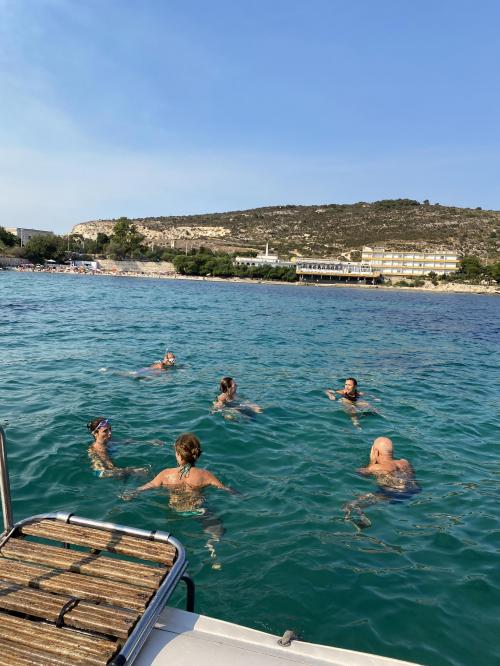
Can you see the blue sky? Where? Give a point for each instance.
(162, 107)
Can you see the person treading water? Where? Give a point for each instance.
(185, 477)
(228, 398)
(99, 454)
(395, 479)
(185, 483)
(350, 398)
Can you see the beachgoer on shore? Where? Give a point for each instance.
(395, 480)
(167, 362)
(228, 398)
(99, 451)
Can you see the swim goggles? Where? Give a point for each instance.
(101, 424)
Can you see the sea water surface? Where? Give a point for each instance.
(422, 583)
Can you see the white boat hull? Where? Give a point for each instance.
(188, 639)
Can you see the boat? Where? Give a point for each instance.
(91, 593)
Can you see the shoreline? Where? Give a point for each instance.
(429, 288)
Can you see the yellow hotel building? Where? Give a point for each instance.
(389, 262)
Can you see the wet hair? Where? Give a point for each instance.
(226, 383)
(92, 425)
(188, 447)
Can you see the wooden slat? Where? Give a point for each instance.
(73, 646)
(86, 563)
(14, 655)
(114, 542)
(83, 587)
(88, 616)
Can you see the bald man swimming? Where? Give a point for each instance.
(395, 479)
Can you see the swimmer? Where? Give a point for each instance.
(383, 465)
(167, 362)
(395, 479)
(228, 397)
(100, 460)
(350, 398)
(185, 477)
(349, 393)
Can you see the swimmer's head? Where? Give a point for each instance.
(100, 428)
(169, 358)
(227, 385)
(187, 448)
(383, 446)
(351, 385)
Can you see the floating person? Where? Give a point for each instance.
(185, 483)
(395, 479)
(350, 398)
(349, 393)
(228, 398)
(167, 362)
(99, 451)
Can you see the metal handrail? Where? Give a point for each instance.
(5, 485)
(132, 646)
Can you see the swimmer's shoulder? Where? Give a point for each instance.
(168, 477)
(204, 478)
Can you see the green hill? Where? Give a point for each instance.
(329, 230)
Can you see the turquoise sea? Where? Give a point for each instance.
(422, 583)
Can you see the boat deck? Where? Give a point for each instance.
(73, 594)
(183, 639)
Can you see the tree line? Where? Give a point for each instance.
(126, 242)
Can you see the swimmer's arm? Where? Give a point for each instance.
(212, 480)
(156, 366)
(154, 483)
(366, 471)
(220, 402)
(255, 408)
(330, 394)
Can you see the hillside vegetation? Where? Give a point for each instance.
(327, 230)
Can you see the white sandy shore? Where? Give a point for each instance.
(442, 287)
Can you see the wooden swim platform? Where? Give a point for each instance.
(76, 591)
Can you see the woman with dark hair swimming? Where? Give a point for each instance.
(100, 460)
(228, 398)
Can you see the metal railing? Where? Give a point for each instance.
(132, 646)
(5, 486)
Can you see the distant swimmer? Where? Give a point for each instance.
(349, 393)
(185, 478)
(167, 362)
(99, 454)
(228, 398)
(350, 399)
(395, 479)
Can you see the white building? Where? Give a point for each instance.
(390, 262)
(266, 259)
(334, 270)
(27, 234)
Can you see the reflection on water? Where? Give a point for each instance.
(407, 586)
